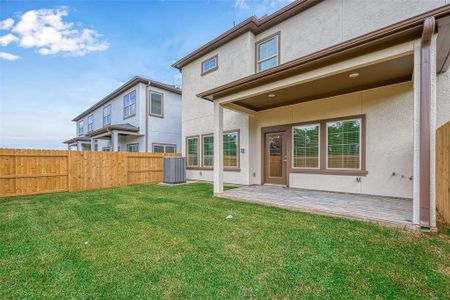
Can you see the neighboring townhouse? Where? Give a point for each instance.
(140, 116)
(334, 95)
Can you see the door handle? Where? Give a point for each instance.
(285, 159)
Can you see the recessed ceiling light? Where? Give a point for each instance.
(353, 75)
(271, 95)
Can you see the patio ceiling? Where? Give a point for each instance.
(396, 70)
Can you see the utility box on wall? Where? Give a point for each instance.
(174, 169)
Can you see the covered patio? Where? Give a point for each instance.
(113, 134)
(409, 52)
(388, 211)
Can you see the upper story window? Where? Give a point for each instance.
(267, 53)
(90, 122)
(107, 115)
(129, 104)
(81, 127)
(209, 65)
(156, 104)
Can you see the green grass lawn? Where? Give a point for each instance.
(170, 242)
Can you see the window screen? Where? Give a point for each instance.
(267, 54)
(156, 104)
(230, 149)
(208, 151)
(129, 104)
(192, 152)
(343, 143)
(209, 64)
(306, 146)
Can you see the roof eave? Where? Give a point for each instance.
(254, 24)
(412, 26)
(130, 83)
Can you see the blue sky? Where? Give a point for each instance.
(48, 76)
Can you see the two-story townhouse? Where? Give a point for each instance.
(142, 115)
(334, 95)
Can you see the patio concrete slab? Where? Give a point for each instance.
(389, 211)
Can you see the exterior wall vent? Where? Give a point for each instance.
(174, 169)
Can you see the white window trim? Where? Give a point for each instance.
(129, 105)
(110, 114)
(80, 127)
(164, 146)
(133, 144)
(277, 55)
(90, 124)
(150, 104)
(292, 149)
(360, 141)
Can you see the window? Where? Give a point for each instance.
(192, 151)
(230, 149)
(81, 127)
(107, 115)
(156, 104)
(343, 144)
(90, 122)
(164, 148)
(209, 65)
(129, 104)
(306, 146)
(95, 145)
(267, 55)
(133, 147)
(208, 151)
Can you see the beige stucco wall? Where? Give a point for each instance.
(389, 139)
(324, 25)
(442, 99)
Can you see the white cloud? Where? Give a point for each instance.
(45, 30)
(260, 7)
(7, 39)
(8, 56)
(6, 24)
(241, 4)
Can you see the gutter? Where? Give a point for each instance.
(147, 89)
(425, 122)
(406, 29)
(253, 24)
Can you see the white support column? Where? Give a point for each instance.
(218, 148)
(92, 144)
(424, 198)
(79, 148)
(115, 141)
(416, 135)
(433, 128)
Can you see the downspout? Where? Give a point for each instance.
(146, 115)
(425, 122)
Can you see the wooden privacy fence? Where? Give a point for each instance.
(443, 172)
(27, 172)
